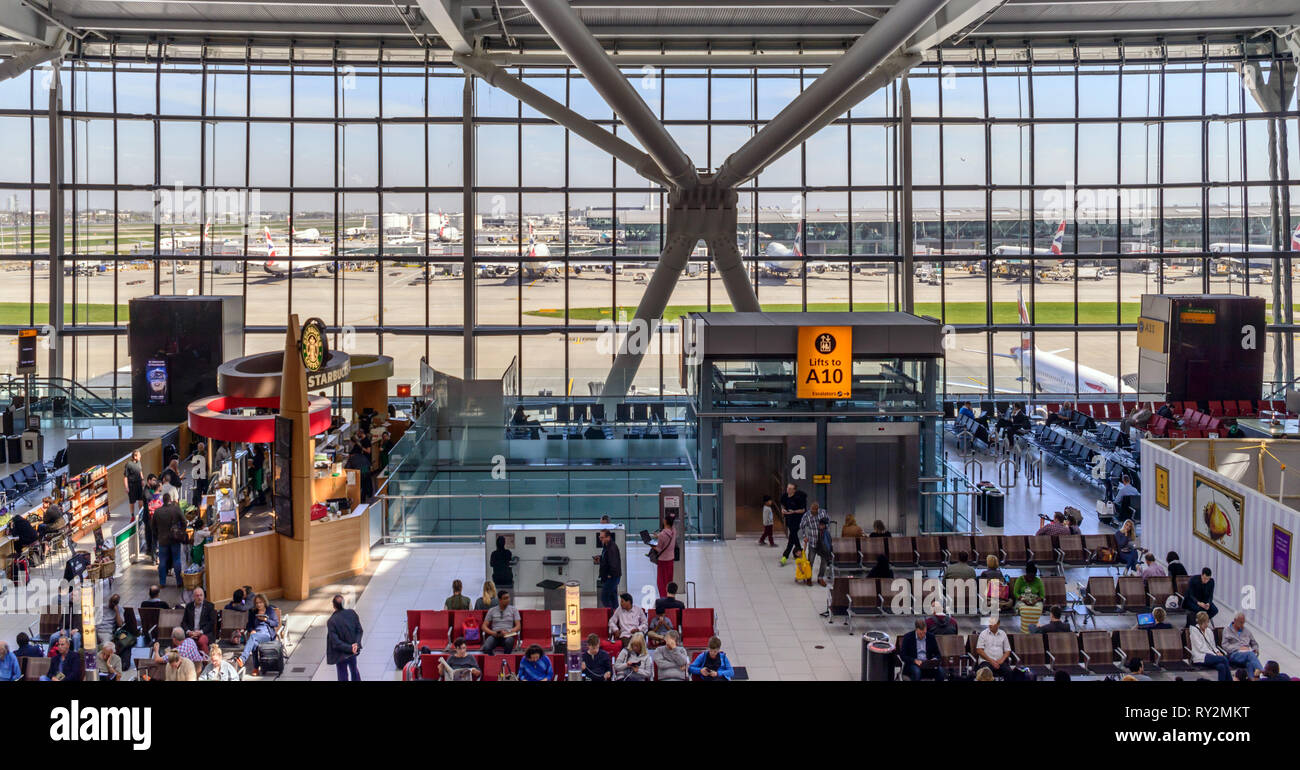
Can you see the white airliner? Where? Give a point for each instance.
(445, 232)
(1021, 266)
(297, 267)
(183, 241)
(781, 266)
(1256, 265)
(302, 236)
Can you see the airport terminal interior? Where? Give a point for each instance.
(751, 340)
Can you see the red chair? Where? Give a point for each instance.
(1246, 409)
(412, 623)
(429, 670)
(697, 627)
(491, 665)
(593, 620)
(535, 628)
(1230, 409)
(558, 663)
(1189, 417)
(458, 626)
(1216, 408)
(1114, 412)
(432, 630)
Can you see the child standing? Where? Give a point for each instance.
(768, 516)
(802, 567)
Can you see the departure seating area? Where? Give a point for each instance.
(852, 555)
(576, 421)
(433, 631)
(1085, 653)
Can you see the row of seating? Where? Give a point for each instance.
(1069, 448)
(153, 623)
(436, 629)
(29, 479)
(1132, 593)
(1115, 411)
(492, 666)
(966, 424)
(1101, 653)
(938, 551)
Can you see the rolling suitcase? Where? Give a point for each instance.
(270, 657)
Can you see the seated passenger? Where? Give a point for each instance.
(178, 668)
(23, 533)
(966, 411)
(1030, 581)
(536, 666)
(1158, 614)
(634, 663)
(851, 527)
(712, 664)
(597, 666)
(1241, 647)
(10, 669)
(153, 600)
(878, 529)
(1200, 596)
(1136, 670)
(993, 649)
(181, 644)
(626, 620)
(659, 628)
(669, 602)
(457, 600)
(66, 664)
(218, 669)
(920, 654)
(1056, 526)
(1273, 673)
(881, 568)
(671, 661)
(239, 602)
(262, 626)
(501, 626)
(940, 623)
(962, 570)
(1175, 567)
(1127, 546)
(459, 661)
(27, 648)
(1205, 653)
(1152, 568)
(1057, 623)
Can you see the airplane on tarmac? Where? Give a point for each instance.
(1257, 265)
(1053, 373)
(309, 235)
(784, 267)
(278, 267)
(1020, 267)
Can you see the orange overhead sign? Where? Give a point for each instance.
(824, 368)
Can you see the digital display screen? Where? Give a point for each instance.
(27, 351)
(155, 373)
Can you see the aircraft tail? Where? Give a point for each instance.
(798, 237)
(1058, 241)
(1295, 239)
(270, 245)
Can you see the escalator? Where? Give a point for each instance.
(59, 398)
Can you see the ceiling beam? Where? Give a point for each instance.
(19, 21)
(447, 19)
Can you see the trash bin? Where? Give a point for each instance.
(14, 445)
(877, 657)
(981, 504)
(994, 506)
(552, 595)
(33, 446)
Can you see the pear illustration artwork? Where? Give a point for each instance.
(1216, 521)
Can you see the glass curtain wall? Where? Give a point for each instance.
(330, 182)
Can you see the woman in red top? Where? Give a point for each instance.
(666, 549)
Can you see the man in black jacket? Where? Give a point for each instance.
(1057, 625)
(169, 547)
(611, 570)
(153, 600)
(920, 654)
(1200, 597)
(200, 620)
(343, 640)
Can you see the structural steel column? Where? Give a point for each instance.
(468, 276)
(908, 241)
(55, 368)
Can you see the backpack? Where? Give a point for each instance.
(470, 630)
(506, 674)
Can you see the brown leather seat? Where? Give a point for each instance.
(846, 556)
(1131, 593)
(895, 601)
(1055, 590)
(1101, 595)
(1094, 544)
(1063, 652)
(872, 548)
(901, 551)
(1073, 552)
(1098, 649)
(928, 552)
(1159, 589)
(1028, 651)
(1016, 550)
(955, 544)
(986, 546)
(1136, 643)
(952, 651)
(864, 596)
(1170, 648)
(1041, 549)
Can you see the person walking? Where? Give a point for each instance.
(343, 631)
(769, 518)
(169, 533)
(793, 504)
